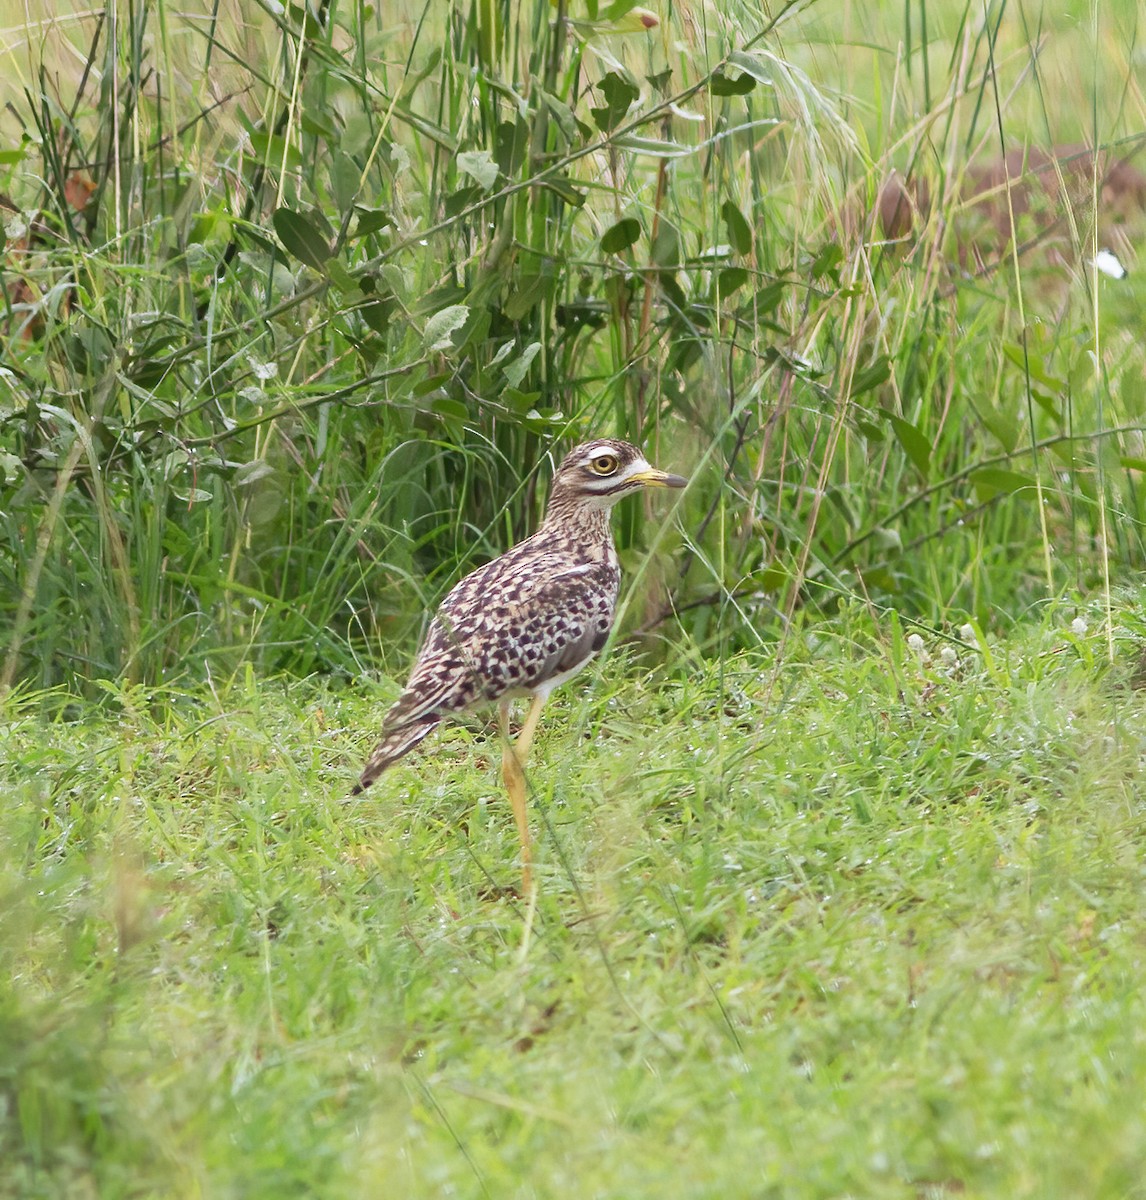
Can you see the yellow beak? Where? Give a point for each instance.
(659, 479)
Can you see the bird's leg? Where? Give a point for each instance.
(514, 779)
(525, 737)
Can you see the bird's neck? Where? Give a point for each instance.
(586, 524)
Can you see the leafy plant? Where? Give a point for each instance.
(291, 334)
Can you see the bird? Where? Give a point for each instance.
(524, 623)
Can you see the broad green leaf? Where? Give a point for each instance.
(621, 236)
(871, 376)
(828, 261)
(430, 383)
(633, 20)
(915, 445)
(673, 292)
(341, 277)
(542, 419)
(731, 279)
(441, 327)
(511, 144)
(772, 578)
(517, 370)
(1034, 365)
(313, 123)
(561, 186)
(301, 238)
(661, 80)
(619, 94)
(870, 430)
(311, 28)
(447, 406)
(209, 226)
(990, 482)
(531, 291)
(563, 115)
(370, 220)
(1065, 453)
(358, 134)
(739, 231)
(726, 85)
(271, 148)
(1005, 430)
(476, 327)
(252, 472)
(886, 538)
(628, 17)
(768, 297)
(377, 312)
(460, 200)
(1049, 404)
(428, 303)
(519, 402)
(751, 65)
(666, 245)
(192, 495)
(503, 352)
(478, 165)
(344, 179)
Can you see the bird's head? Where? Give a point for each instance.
(598, 473)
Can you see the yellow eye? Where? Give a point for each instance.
(603, 464)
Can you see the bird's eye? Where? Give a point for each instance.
(603, 464)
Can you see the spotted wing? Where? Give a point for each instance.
(505, 632)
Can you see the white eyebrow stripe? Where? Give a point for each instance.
(637, 465)
(599, 448)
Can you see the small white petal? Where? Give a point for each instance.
(1078, 626)
(263, 370)
(1107, 262)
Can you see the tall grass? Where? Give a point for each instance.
(300, 305)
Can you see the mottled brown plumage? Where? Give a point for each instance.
(527, 621)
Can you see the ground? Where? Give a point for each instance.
(852, 915)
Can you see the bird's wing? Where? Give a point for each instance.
(506, 632)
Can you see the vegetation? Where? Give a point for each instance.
(298, 307)
(299, 304)
(875, 930)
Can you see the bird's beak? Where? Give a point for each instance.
(658, 479)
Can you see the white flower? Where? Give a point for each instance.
(967, 633)
(1078, 626)
(263, 370)
(1107, 262)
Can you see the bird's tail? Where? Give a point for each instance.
(393, 745)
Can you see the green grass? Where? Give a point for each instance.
(817, 917)
(849, 923)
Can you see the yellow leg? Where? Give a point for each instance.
(525, 737)
(513, 756)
